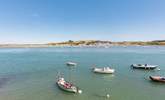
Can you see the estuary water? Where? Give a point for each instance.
(30, 73)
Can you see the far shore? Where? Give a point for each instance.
(86, 43)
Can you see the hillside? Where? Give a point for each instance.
(106, 43)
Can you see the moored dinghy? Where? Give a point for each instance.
(67, 86)
(104, 70)
(144, 66)
(71, 63)
(157, 79)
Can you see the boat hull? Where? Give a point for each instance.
(71, 64)
(143, 67)
(71, 90)
(157, 79)
(101, 71)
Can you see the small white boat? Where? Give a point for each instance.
(67, 86)
(104, 70)
(71, 63)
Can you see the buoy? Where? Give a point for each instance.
(79, 91)
(107, 95)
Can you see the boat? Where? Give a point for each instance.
(157, 78)
(104, 70)
(144, 66)
(71, 63)
(67, 86)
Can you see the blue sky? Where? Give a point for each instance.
(42, 21)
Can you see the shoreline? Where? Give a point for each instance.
(69, 46)
(86, 43)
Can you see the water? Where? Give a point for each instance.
(30, 73)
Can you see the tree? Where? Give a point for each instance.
(70, 41)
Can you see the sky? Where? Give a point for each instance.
(43, 21)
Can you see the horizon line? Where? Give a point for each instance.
(44, 43)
